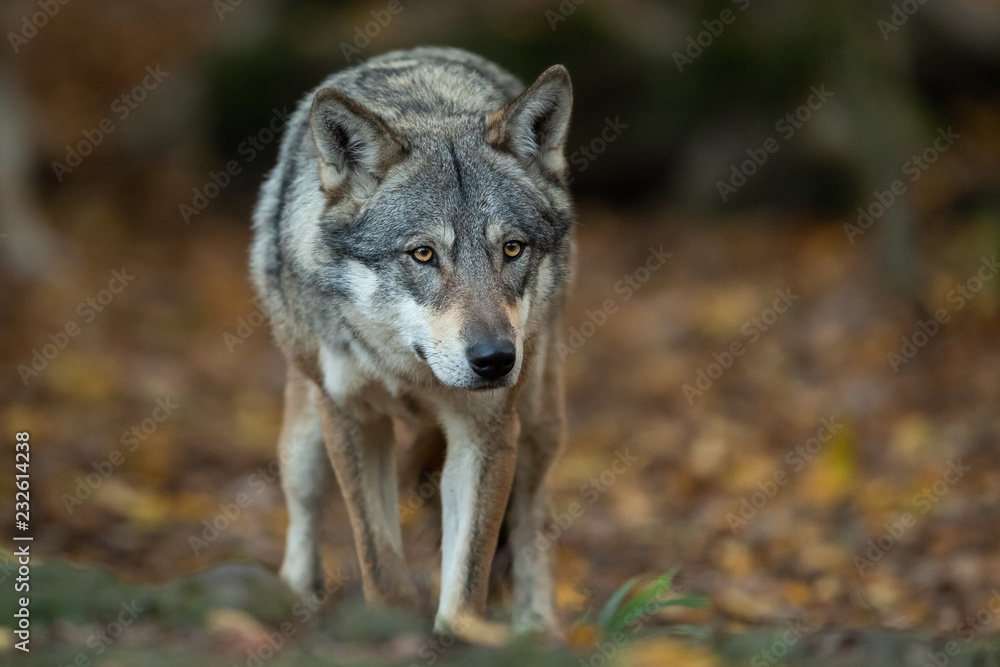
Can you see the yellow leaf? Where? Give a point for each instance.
(582, 635)
(234, 621)
(829, 476)
(660, 652)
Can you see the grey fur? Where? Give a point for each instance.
(438, 148)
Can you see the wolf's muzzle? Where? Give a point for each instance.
(491, 358)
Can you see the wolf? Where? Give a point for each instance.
(412, 248)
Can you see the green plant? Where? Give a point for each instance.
(623, 609)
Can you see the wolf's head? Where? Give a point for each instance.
(446, 237)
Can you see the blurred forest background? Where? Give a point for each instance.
(806, 391)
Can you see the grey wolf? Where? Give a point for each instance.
(412, 248)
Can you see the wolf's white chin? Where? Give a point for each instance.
(472, 382)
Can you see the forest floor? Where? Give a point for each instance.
(817, 456)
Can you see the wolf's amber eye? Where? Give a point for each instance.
(423, 254)
(512, 249)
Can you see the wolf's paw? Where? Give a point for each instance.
(473, 629)
(393, 585)
(302, 577)
(542, 627)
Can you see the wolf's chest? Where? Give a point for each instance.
(366, 393)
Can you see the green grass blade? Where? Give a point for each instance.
(686, 601)
(635, 608)
(608, 612)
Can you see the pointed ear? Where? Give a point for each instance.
(533, 127)
(353, 141)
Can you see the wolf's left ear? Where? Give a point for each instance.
(534, 125)
(352, 140)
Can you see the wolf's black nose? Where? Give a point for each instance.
(491, 358)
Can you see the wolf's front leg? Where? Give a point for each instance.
(543, 420)
(363, 455)
(476, 482)
(305, 478)
(529, 516)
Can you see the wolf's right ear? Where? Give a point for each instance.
(352, 140)
(534, 125)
